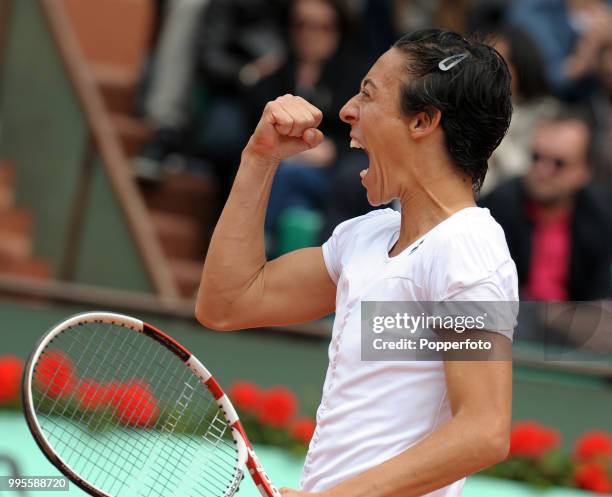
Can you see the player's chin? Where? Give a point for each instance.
(375, 199)
(374, 202)
(374, 190)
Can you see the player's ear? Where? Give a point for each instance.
(424, 123)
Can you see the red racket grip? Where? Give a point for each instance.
(260, 477)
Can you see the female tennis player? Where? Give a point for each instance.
(428, 114)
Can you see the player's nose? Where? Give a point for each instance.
(350, 112)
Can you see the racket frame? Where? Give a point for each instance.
(245, 454)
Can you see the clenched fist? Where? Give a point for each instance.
(288, 126)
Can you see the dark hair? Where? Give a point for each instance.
(473, 97)
(524, 55)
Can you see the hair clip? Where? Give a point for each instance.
(452, 61)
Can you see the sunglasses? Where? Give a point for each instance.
(558, 163)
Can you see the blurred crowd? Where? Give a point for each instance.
(215, 63)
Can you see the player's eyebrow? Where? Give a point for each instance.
(368, 81)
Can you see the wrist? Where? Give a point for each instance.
(252, 156)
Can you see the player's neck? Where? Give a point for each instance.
(429, 204)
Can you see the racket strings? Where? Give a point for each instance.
(122, 442)
(134, 420)
(166, 458)
(62, 432)
(216, 440)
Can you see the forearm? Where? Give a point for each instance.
(236, 254)
(456, 449)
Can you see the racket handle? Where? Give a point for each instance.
(262, 480)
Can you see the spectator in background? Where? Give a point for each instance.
(454, 14)
(167, 101)
(531, 104)
(385, 20)
(210, 53)
(487, 16)
(557, 225)
(239, 43)
(570, 34)
(601, 109)
(323, 68)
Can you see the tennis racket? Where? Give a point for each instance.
(122, 410)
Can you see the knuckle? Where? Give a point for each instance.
(286, 121)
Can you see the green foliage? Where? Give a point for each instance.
(268, 435)
(554, 469)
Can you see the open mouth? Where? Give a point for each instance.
(356, 144)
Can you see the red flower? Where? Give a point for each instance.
(11, 368)
(93, 395)
(303, 429)
(55, 374)
(246, 396)
(593, 477)
(135, 405)
(278, 407)
(114, 388)
(530, 439)
(592, 445)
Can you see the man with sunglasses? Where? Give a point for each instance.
(558, 226)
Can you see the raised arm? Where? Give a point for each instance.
(239, 287)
